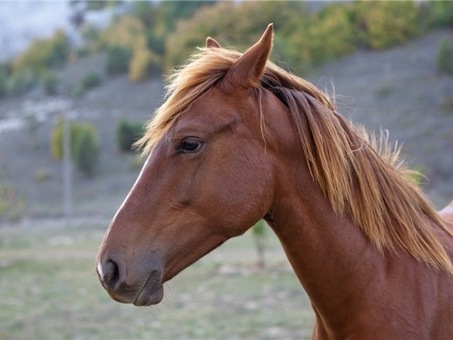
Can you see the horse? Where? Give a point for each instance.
(239, 139)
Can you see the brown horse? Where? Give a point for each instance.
(239, 139)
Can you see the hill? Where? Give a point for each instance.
(396, 89)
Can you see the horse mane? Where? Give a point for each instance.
(361, 175)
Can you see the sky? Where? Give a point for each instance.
(23, 21)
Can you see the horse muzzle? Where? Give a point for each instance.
(145, 290)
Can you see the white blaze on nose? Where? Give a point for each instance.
(99, 269)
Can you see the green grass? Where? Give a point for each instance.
(49, 290)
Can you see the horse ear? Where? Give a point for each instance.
(247, 70)
(212, 43)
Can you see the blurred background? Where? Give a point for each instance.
(78, 80)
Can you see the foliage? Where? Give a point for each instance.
(445, 57)
(259, 235)
(441, 13)
(304, 39)
(56, 139)
(127, 133)
(50, 81)
(129, 40)
(140, 64)
(327, 35)
(11, 206)
(21, 82)
(84, 146)
(44, 54)
(385, 24)
(417, 175)
(86, 149)
(117, 60)
(3, 82)
(243, 22)
(90, 80)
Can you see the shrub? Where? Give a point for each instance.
(90, 80)
(3, 82)
(140, 64)
(21, 82)
(328, 35)
(84, 146)
(445, 57)
(11, 206)
(117, 60)
(44, 54)
(442, 13)
(385, 24)
(127, 133)
(56, 139)
(50, 81)
(86, 149)
(259, 235)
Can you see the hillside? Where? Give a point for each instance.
(396, 89)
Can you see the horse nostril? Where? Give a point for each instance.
(109, 272)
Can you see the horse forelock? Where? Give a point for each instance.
(359, 174)
(185, 85)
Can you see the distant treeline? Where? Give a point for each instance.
(160, 35)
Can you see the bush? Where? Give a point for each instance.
(127, 133)
(86, 149)
(84, 146)
(90, 80)
(56, 139)
(445, 57)
(11, 206)
(77, 132)
(385, 24)
(21, 82)
(140, 65)
(44, 54)
(3, 82)
(50, 81)
(442, 13)
(259, 235)
(117, 60)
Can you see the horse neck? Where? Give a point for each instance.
(331, 257)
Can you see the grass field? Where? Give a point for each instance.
(49, 290)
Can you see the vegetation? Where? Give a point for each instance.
(35, 64)
(84, 145)
(44, 54)
(127, 133)
(3, 82)
(50, 81)
(259, 236)
(91, 80)
(305, 38)
(445, 57)
(118, 59)
(52, 269)
(163, 34)
(441, 13)
(86, 149)
(11, 206)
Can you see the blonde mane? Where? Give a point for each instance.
(361, 176)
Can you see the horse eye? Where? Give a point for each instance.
(190, 145)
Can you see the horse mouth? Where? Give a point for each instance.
(152, 291)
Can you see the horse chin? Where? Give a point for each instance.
(151, 294)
